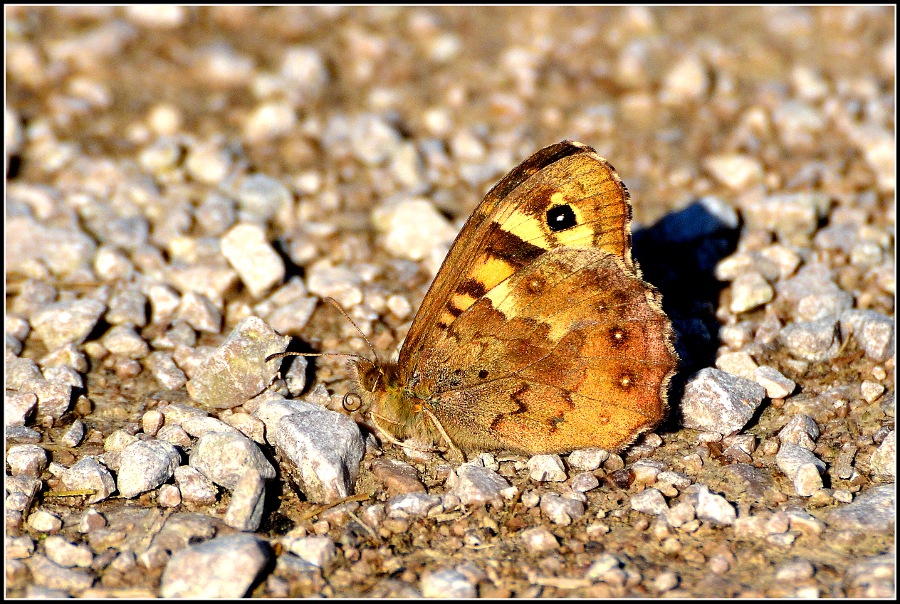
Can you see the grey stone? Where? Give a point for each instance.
(411, 505)
(874, 332)
(144, 465)
(883, 462)
(194, 486)
(30, 460)
(775, 383)
(872, 511)
(224, 567)
(715, 401)
(45, 573)
(447, 583)
(812, 340)
(714, 508)
(561, 510)
(224, 457)
(790, 457)
(237, 370)
(324, 448)
(477, 485)
(88, 474)
(250, 254)
(546, 468)
(67, 322)
(650, 501)
(245, 511)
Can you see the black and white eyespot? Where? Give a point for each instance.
(560, 218)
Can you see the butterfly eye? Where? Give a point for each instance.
(560, 218)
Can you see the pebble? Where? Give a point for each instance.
(447, 583)
(812, 294)
(871, 391)
(719, 402)
(245, 511)
(306, 70)
(738, 363)
(208, 163)
(45, 573)
(775, 383)
(714, 508)
(88, 474)
(224, 458)
(30, 460)
(650, 501)
(318, 551)
(270, 120)
(323, 448)
(539, 540)
(144, 465)
(194, 486)
(413, 229)
(411, 505)
(64, 323)
(67, 554)
(18, 407)
(198, 426)
(476, 485)
(873, 331)
(74, 434)
(168, 496)
(29, 245)
(750, 290)
(247, 425)
(124, 341)
(174, 434)
(871, 512)
(546, 468)
(223, 567)
(199, 312)
(340, 283)
(587, 459)
(734, 170)
(584, 481)
(687, 81)
(63, 374)
(812, 340)
(561, 510)
(791, 458)
(237, 370)
(17, 548)
(788, 214)
(43, 521)
(166, 372)
(257, 263)
(801, 430)
(883, 462)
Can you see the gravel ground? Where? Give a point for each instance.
(185, 185)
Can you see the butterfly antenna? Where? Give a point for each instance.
(337, 305)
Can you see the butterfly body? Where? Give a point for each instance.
(538, 333)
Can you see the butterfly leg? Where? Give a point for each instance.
(437, 424)
(385, 435)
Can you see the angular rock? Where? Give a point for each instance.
(715, 401)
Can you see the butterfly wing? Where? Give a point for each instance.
(572, 351)
(509, 230)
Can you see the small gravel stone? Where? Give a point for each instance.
(587, 459)
(91, 521)
(649, 501)
(62, 374)
(200, 313)
(812, 340)
(168, 496)
(584, 481)
(539, 540)
(748, 291)
(166, 372)
(340, 283)
(67, 322)
(258, 265)
(128, 306)
(775, 383)
(175, 435)
(411, 505)
(88, 474)
(67, 554)
(787, 215)
(245, 511)
(872, 511)
(260, 197)
(144, 465)
(604, 569)
(198, 426)
(318, 551)
(45, 573)
(719, 402)
(807, 481)
(871, 391)
(734, 170)
(20, 547)
(237, 370)
(413, 228)
(74, 434)
(247, 425)
(18, 406)
(666, 581)
(738, 363)
(224, 567)
(118, 440)
(790, 457)
(124, 341)
(224, 457)
(44, 522)
(801, 430)
(476, 485)
(547, 468)
(324, 448)
(194, 486)
(447, 583)
(883, 462)
(873, 331)
(561, 510)
(714, 508)
(812, 294)
(30, 460)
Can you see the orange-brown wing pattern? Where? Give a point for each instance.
(514, 226)
(571, 351)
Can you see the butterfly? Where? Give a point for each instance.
(538, 334)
